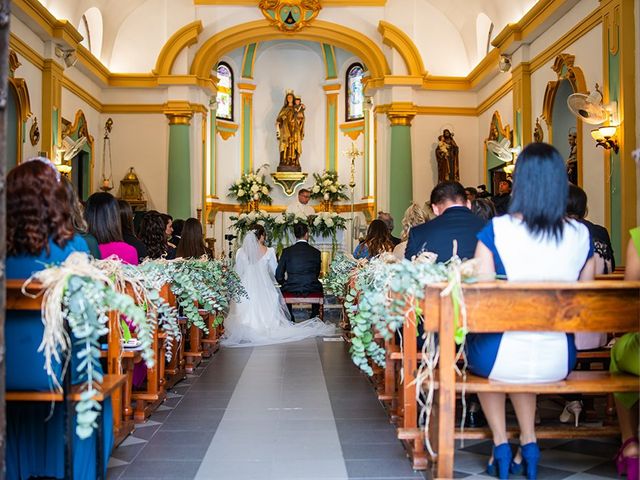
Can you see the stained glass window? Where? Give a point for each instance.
(355, 95)
(224, 97)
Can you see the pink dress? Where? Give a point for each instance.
(127, 254)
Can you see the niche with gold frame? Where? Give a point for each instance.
(82, 164)
(18, 111)
(494, 167)
(564, 128)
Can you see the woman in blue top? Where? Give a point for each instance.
(378, 241)
(535, 242)
(39, 233)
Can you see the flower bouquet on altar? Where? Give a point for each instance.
(251, 188)
(327, 188)
(327, 224)
(243, 222)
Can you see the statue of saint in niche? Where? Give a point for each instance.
(447, 157)
(572, 160)
(290, 132)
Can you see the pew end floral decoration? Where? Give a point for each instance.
(327, 188)
(251, 187)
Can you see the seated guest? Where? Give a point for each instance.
(482, 192)
(388, 221)
(177, 226)
(625, 356)
(502, 199)
(299, 268)
(153, 235)
(534, 242)
(453, 221)
(192, 243)
(168, 228)
(483, 208)
(472, 193)
(40, 233)
(414, 215)
(377, 241)
(602, 248)
(103, 218)
(77, 219)
(126, 222)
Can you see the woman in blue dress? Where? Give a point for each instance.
(39, 233)
(377, 241)
(535, 242)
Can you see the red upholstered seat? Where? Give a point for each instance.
(302, 295)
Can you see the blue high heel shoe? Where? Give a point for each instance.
(501, 461)
(530, 458)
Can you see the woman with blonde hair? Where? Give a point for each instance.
(414, 215)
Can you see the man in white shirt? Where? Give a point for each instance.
(302, 207)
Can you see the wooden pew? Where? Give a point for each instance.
(210, 341)
(111, 386)
(154, 393)
(504, 306)
(174, 370)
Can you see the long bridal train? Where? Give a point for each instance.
(263, 317)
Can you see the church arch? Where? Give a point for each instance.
(319, 31)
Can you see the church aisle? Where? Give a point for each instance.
(291, 411)
(301, 411)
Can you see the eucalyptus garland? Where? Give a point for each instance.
(86, 295)
(337, 280)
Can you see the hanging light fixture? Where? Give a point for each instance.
(107, 180)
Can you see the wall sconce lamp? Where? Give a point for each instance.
(68, 55)
(605, 137)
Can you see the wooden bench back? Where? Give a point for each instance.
(16, 300)
(611, 306)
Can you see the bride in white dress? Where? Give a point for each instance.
(263, 318)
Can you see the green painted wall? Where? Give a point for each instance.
(179, 198)
(212, 158)
(247, 67)
(330, 61)
(246, 136)
(332, 133)
(400, 176)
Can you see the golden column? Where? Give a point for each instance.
(521, 77)
(51, 102)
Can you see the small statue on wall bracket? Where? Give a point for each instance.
(34, 132)
(572, 160)
(538, 134)
(447, 157)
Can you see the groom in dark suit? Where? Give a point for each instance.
(299, 268)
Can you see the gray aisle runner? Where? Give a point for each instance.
(279, 422)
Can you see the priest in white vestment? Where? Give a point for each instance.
(301, 206)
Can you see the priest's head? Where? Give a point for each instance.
(304, 196)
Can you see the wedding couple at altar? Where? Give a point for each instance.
(264, 318)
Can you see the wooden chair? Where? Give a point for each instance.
(111, 386)
(498, 307)
(308, 299)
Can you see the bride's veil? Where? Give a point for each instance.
(249, 254)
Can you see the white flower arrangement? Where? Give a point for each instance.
(251, 187)
(327, 188)
(327, 224)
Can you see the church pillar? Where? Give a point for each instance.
(212, 154)
(521, 77)
(400, 171)
(332, 91)
(246, 151)
(619, 59)
(179, 181)
(51, 101)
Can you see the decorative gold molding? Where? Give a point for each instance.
(434, 110)
(332, 87)
(352, 129)
(291, 15)
(246, 86)
(25, 51)
(521, 78)
(133, 108)
(180, 112)
(326, 3)
(182, 38)
(401, 113)
(260, 30)
(215, 207)
(500, 92)
(226, 130)
(495, 134)
(565, 69)
(82, 94)
(400, 41)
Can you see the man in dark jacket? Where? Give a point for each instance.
(299, 268)
(453, 221)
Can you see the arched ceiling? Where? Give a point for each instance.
(461, 13)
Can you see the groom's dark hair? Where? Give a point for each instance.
(300, 230)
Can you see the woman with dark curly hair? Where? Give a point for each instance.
(377, 241)
(39, 233)
(153, 235)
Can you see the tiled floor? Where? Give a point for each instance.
(299, 411)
